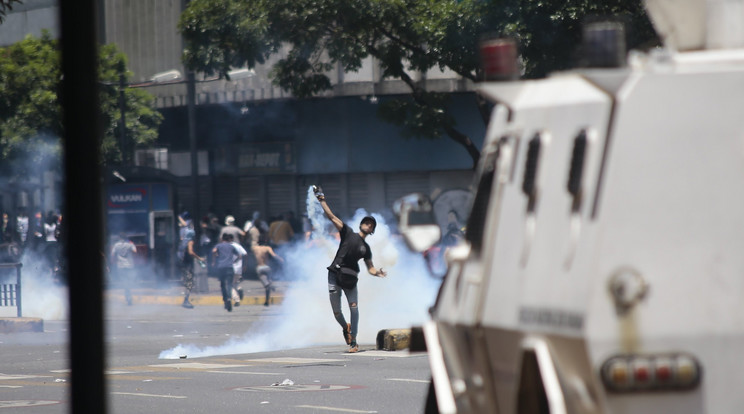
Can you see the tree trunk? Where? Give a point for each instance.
(417, 93)
(484, 108)
(466, 142)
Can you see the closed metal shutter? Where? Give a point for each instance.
(399, 184)
(358, 192)
(281, 194)
(225, 198)
(335, 192)
(249, 196)
(185, 196)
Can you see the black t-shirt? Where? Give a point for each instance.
(350, 250)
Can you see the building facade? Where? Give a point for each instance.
(259, 149)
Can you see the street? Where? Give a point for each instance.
(144, 375)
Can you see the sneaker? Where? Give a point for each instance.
(240, 293)
(188, 305)
(347, 334)
(228, 306)
(353, 347)
(236, 304)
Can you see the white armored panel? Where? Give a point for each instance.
(698, 24)
(530, 261)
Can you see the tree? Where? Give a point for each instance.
(142, 119)
(549, 33)
(30, 112)
(5, 6)
(402, 35)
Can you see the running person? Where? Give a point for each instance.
(262, 253)
(343, 272)
(237, 291)
(187, 254)
(122, 257)
(223, 256)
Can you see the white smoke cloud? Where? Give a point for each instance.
(400, 300)
(41, 297)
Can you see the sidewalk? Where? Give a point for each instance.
(171, 293)
(166, 293)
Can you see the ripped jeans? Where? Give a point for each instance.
(334, 293)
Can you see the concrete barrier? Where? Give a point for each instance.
(399, 339)
(393, 339)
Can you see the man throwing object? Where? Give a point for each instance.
(344, 270)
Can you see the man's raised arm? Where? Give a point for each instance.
(327, 210)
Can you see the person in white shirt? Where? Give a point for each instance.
(237, 291)
(50, 237)
(122, 258)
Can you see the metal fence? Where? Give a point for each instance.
(10, 293)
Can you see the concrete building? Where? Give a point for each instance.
(259, 148)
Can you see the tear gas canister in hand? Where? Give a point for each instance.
(318, 193)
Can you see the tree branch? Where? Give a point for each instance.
(418, 96)
(419, 49)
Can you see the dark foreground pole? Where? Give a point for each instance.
(82, 221)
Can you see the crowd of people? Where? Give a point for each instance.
(36, 234)
(253, 250)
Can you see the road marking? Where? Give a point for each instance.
(408, 380)
(137, 394)
(11, 386)
(196, 365)
(340, 410)
(26, 403)
(389, 354)
(297, 387)
(4, 377)
(293, 360)
(245, 372)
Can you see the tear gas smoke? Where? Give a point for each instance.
(41, 297)
(399, 301)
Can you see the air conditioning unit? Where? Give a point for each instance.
(153, 157)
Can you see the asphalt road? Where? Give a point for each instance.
(145, 373)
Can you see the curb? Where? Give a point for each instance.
(195, 300)
(13, 325)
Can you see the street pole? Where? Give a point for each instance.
(122, 115)
(196, 216)
(191, 86)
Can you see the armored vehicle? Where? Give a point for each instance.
(603, 266)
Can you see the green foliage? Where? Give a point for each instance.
(402, 35)
(549, 33)
(226, 33)
(30, 112)
(142, 119)
(418, 119)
